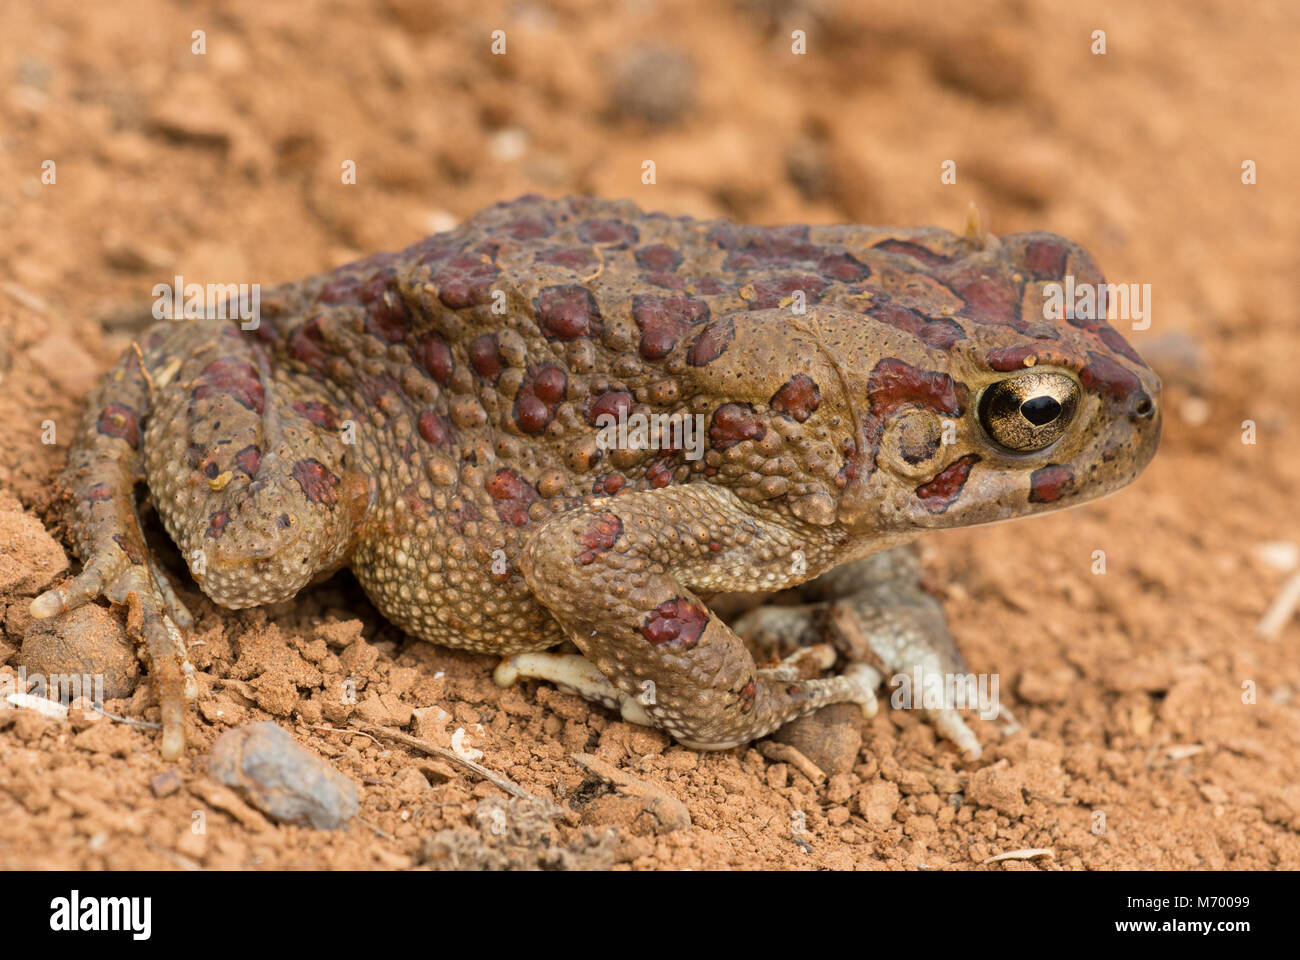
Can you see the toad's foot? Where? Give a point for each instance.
(574, 673)
(875, 611)
(150, 622)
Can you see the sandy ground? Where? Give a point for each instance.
(1158, 728)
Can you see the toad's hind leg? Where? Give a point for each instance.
(874, 610)
(244, 468)
(104, 465)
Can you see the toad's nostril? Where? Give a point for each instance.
(1144, 409)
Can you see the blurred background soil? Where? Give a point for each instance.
(1159, 729)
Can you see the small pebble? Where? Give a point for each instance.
(281, 778)
(653, 83)
(165, 783)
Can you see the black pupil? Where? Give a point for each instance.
(1040, 410)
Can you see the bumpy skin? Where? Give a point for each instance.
(429, 419)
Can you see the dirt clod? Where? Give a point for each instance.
(30, 559)
(86, 642)
(830, 737)
(1001, 787)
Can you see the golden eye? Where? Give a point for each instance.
(1029, 411)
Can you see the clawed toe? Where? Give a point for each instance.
(865, 680)
(91, 583)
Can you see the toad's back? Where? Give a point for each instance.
(420, 416)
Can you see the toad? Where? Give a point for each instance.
(569, 420)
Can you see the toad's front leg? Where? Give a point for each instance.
(619, 575)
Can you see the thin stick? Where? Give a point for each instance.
(784, 753)
(1021, 855)
(1282, 609)
(433, 750)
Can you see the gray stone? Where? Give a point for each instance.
(281, 778)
